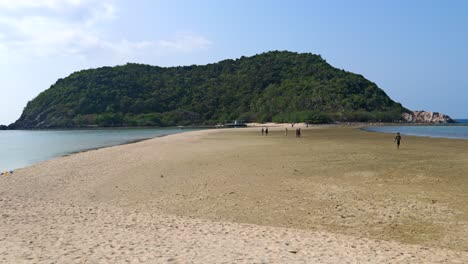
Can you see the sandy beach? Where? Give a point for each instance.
(335, 195)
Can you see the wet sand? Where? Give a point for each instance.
(231, 195)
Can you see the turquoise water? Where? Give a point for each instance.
(439, 131)
(20, 148)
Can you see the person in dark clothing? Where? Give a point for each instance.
(298, 132)
(397, 140)
(266, 131)
(263, 131)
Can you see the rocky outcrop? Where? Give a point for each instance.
(427, 117)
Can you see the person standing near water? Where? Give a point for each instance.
(263, 131)
(397, 139)
(298, 132)
(286, 131)
(266, 131)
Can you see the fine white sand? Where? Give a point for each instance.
(55, 232)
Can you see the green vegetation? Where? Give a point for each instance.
(274, 86)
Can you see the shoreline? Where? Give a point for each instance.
(360, 126)
(96, 148)
(412, 135)
(230, 194)
(69, 153)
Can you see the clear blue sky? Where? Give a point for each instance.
(417, 51)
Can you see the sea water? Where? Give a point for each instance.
(462, 121)
(459, 130)
(20, 148)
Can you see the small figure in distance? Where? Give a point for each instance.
(266, 131)
(397, 139)
(298, 132)
(263, 131)
(286, 131)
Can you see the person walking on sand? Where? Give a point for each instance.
(397, 139)
(263, 131)
(286, 131)
(266, 131)
(298, 132)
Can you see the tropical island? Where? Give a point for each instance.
(277, 86)
(120, 138)
(334, 192)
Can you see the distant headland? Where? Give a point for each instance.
(277, 86)
(426, 117)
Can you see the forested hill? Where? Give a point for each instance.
(274, 86)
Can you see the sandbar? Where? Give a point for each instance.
(334, 195)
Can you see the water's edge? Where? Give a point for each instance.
(50, 156)
(373, 130)
(115, 145)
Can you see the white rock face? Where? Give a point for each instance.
(426, 117)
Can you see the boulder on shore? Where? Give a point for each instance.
(427, 117)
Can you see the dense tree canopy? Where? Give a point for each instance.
(274, 86)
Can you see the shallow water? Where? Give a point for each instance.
(20, 148)
(438, 131)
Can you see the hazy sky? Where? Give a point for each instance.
(417, 51)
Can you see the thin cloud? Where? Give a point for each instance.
(185, 42)
(49, 4)
(48, 28)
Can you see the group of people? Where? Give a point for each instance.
(298, 134)
(298, 131)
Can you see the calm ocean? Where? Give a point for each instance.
(20, 148)
(459, 130)
(462, 121)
